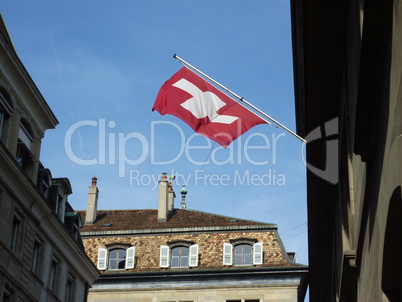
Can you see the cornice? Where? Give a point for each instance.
(180, 230)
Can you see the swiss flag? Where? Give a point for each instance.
(204, 108)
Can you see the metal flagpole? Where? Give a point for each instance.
(241, 99)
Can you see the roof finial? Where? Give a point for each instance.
(183, 192)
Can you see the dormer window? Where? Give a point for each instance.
(58, 196)
(243, 252)
(73, 222)
(179, 254)
(45, 188)
(116, 257)
(44, 181)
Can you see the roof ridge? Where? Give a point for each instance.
(192, 210)
(230, 217)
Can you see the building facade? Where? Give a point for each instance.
(347, 69)
(173, 254)
(41, 252)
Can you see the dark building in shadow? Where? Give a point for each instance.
(348, 90)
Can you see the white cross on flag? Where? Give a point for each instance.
(204, 108)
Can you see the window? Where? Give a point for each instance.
(69, 288)
(45, 189)
(116, 258)
(36, 256)
(179, 256)
(243, 253)
(24, 156)
(53, 275)
(57, 199)
(5, 114)
(6, 296)
(15, 232)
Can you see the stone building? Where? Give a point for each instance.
(348, 88)
(42, 257)
(173, 254)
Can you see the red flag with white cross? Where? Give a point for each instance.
(204, 108)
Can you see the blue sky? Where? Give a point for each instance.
(99, 65)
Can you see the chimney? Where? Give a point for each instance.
(163, 198)
(92, 205)
(171, 195)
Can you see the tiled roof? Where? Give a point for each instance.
(114, 220)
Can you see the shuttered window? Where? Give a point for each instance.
(116, 258)
(179, 256)
(244, 254)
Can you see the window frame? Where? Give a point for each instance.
(24, 155)
(16, 230)
(7, 296)
(243, 254)
(70, 288)
(6, 112)
(53, 280)
(36, 256)
(182, 259)
(119, 258)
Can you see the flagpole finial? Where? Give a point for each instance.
(183, 192)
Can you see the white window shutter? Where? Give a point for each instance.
(130, 257)
(164, 257)
(227, 254)
(257, 253)
(193, 255)
(102, 258)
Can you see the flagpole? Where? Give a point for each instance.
(241, 99)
